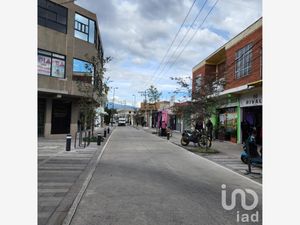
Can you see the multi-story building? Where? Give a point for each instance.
(68, 37)
(239, 63)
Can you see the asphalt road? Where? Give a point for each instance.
(142, 179)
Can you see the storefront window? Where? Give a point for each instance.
(51, 64)
(227, 124)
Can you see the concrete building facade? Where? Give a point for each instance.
(68, 36)
(239, 63)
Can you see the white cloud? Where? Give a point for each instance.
(137, 34)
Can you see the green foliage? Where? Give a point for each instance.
(153, 94)
(93, 139)
(110, 113)
(93, 94)
(203, 99)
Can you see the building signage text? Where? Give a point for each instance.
(251, 100)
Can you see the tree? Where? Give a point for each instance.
(110, 113)
(92, 88)
(203, 99)
(153, 94)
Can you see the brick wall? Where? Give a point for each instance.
(196, 73)
(255, 74)
(227, 68)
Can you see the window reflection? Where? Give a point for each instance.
(84, 28)
(83, 67)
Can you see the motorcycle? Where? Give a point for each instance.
(195, 136)
(256, 159)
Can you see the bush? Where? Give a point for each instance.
(93, 139)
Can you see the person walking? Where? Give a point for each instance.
(210, 127)
(199, 126)
(245, 130)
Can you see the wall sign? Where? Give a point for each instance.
(44, 65)
(253, 99)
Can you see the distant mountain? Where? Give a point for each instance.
(110, 105)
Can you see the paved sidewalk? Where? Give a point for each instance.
(61, 175)
(228, 156)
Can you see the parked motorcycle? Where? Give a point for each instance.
(256, 159)
(195, 136)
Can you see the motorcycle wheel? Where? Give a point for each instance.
(184, 142)
(203, 141)
(244, 159)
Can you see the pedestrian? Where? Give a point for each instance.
(210, 127)
(78, 125)
(199, 126)
(245, 130)
(251, 143)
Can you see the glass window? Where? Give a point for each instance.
(81, 35)
(58, 68)
(92, 31)
(84, 28)
(81, 19)
(198, 83)
(44, 65)
(83, 67)
(243, 61)
(51, 64)
(52, 15)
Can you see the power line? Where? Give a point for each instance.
(184, 36)
(168, 50)
(242, 55)
(192, 36)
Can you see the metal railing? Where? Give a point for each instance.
(82, 138)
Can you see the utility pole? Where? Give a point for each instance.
(114, 97)
(112, 119)
(133, 111)
(134, 101)
(144, 93)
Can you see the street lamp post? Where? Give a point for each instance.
(113, 103)
(114, 97)
(133, 110)
(134, 100)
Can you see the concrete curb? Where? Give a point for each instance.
(73, 208)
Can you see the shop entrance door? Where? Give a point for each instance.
(253, 116)
(61, 117)
(41, 116)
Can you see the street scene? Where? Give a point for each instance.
(150, 112)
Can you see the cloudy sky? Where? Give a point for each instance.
(138, 35)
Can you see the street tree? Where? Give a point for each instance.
(93, 88)
(110, 113)
(153, 94)
(202, 100)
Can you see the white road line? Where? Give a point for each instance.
(72, 210)
(212, 162)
